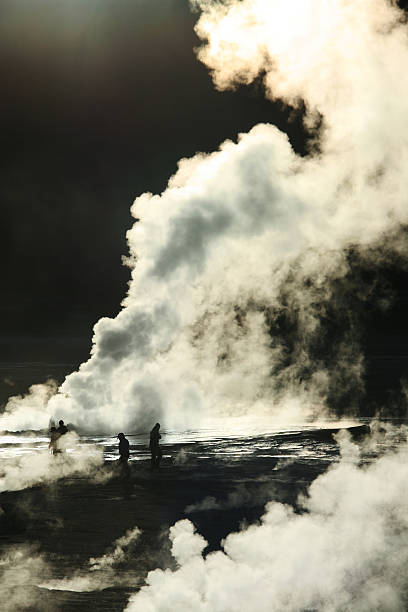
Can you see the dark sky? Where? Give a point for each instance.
(100, 98)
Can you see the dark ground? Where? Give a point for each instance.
(74, 519)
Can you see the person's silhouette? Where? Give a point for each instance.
(155, 450)
(62, 429)
(124, 454)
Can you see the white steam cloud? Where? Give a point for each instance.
(215, 258)
(30, 411)
(348, 550)
(25, 572)
(233, 226)
(42, 467)
(20, 568)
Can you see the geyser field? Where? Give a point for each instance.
(261, 279)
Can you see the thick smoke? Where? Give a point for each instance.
(347, 550)
(238, 263)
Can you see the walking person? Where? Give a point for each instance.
(124, 454)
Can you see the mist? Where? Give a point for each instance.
(252, 255)
(42, 467)
(29, 576)
(346, 548)
(101, 572)
(255, 277)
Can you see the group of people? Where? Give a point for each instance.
(124, 453)
(155, 450)
(55, 435)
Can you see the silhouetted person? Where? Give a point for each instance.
(123, 455)
(53, 445)
(154, 446)
(62, 429)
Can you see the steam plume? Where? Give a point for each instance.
(347, 551)
(254, 232)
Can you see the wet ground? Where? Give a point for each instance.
(218, 482)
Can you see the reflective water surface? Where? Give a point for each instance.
(222, 437)
(74, 508)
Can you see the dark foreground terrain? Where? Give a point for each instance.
(218, 484)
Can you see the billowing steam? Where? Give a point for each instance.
(28, 412)
(348, 550)
(240, 265)
(26, 470)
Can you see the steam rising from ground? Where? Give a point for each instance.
(102, 572)
(30, 411)
(244, 272)
(242, 496)
(254, 232)
(27, 470)
(23, 568)
(347, 551)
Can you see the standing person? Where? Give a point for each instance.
(154, 446)
(62, 429)
(124, 454)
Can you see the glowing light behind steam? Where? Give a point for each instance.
(230, 225)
